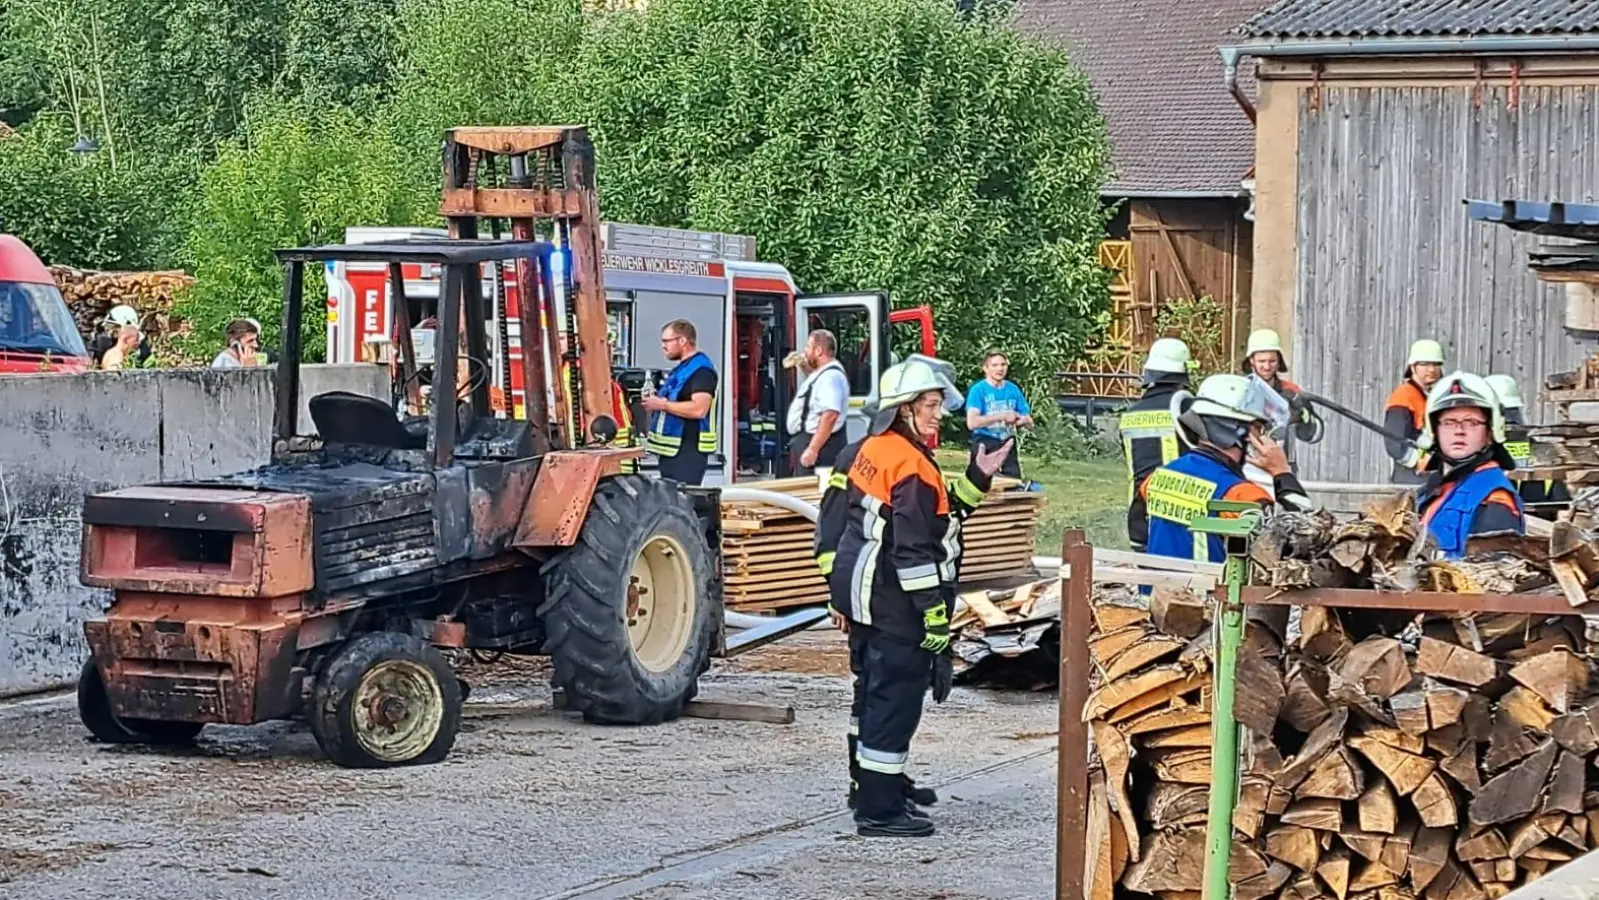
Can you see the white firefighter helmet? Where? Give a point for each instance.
(1506, 390)
(1168, 355)
(905, 381)
(1425, 350)
(123, 315)
(1466, 390)
(1260, 341)
(1222, 410)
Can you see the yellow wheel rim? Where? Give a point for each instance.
(660, 603)
(398, 710)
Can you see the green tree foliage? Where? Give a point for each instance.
(71, 211)
(867, 144)
(339, 50)
(298, 176)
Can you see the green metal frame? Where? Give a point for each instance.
(1228, 625)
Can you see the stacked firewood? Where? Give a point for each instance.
(1383, 756)
(91, 294)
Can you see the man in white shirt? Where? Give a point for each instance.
(816, 415)
(242, 335)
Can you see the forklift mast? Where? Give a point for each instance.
(527, 175)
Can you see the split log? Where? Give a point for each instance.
(1173, 805)
(1486, 844)
(1578, 731)
(1249, 813)
(1372, 876)
(1108, 645)
(1336, 776)
(1395, 855)
(1187, 766)
(1405, 770)
(1114, 694)
(1258, 692)
(1454, 663)
(1150, 649)
(1369, 846)
(1410, 712)
(1299, 847)
(1428, 853)
(1116, 756)
(1515, 792)
(1377, 809)
(1305, 696)
(1462, 767)
(1178, 612)
(1174, 861)
(1112, 612)
(1165, 718)
(1435, 802)
(1560, 677)
(1565, 785)
(1319, 814)
(1445, 704)
(1192, 736)
(1334, 872)
(1524, 707)
(1263, 885)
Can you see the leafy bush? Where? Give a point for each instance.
(1201, 322)
(76, 212)
(298, 176)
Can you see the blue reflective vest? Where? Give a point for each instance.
(1179, 492)
(1450, 519)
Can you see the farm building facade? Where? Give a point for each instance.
(1375, 122)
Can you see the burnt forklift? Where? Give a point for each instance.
(324, 584)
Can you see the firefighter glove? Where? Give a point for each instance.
(935, 628)
(1412, 458)
(943, 676)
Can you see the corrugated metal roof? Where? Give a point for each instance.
(1158, 80)
(1422, 18)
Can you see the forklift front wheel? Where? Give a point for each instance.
(386, 699)
(94, 710)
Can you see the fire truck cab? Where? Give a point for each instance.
(748, 315)
(37, 332)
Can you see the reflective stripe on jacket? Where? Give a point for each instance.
(1180, 492)
(1149, 441)
(888, 532)
(666, 430)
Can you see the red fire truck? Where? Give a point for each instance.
(748, 312)
(37, 333)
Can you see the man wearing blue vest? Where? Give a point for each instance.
(1225, 424)
(682, 410)
(1466, 491)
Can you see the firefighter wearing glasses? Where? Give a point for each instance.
(888, 538)
(1466, 491)
(1225, 424)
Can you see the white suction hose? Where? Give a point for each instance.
(771, 498)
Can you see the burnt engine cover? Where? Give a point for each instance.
(371, 523)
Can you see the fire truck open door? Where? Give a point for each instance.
(860, 322)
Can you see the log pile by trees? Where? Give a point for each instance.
(91, 294)
(1383, 756)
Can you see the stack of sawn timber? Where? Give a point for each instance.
(1453, 763)
(768, 562)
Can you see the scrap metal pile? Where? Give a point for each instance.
(1385, 755)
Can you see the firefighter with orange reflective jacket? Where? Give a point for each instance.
(888, 538)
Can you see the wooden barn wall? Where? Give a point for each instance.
(1386, 253)
(1192, 248)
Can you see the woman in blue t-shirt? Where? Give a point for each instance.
(995, 408)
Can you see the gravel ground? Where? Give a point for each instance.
(533, 803)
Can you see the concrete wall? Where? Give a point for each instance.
(64, 436)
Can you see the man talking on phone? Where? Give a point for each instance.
(1225, 424)
(242, 336)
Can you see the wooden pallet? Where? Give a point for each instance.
(768, 562)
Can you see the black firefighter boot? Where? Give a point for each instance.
(882, 810)
(855, 785)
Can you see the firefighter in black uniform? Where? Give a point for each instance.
(888, 538)
(1542, 498)
(1149, 434)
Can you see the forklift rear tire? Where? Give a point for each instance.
(94, 710)
(629, 617)
(386, 699)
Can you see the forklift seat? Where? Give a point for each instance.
(342, 417)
